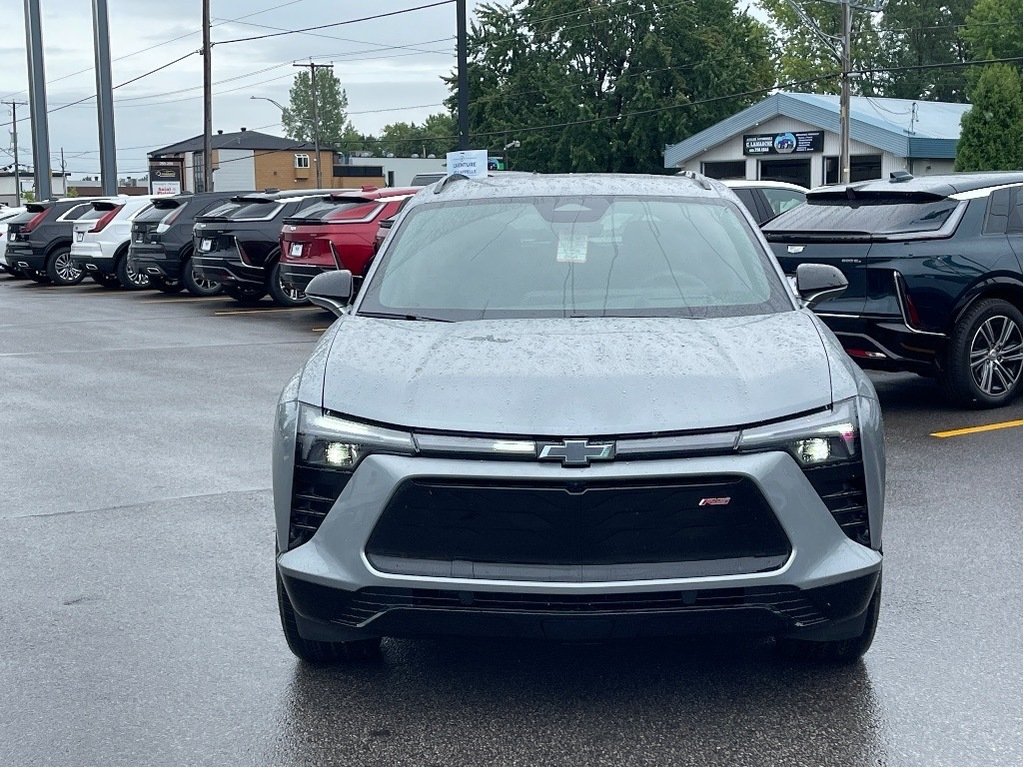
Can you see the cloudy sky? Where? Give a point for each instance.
(390, 68)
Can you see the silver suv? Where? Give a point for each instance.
(578, 407)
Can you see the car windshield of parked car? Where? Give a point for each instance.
(574, 256)
(329, 210)
(874, 214)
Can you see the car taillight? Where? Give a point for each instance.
(105, 219)
(168, 220)
(34, 222)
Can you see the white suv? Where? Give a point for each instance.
(101, 239)
(6, 214)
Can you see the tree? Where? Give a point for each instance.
(331, 103)
(919, 33)
(605, 86)
(990, 132)
(801, 54)
(993, 31)
(435, 136)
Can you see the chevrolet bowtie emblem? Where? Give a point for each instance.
(576, 453)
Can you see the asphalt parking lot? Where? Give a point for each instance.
(138, 621)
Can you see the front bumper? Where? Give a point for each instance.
(90, 258)
(820, 590)
(887, 343)
(227, 269)
(154, 260)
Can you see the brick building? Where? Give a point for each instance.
(252, 160)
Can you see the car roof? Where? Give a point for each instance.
(761, 184)
(945, 184)
(516, 184)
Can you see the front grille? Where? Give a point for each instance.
(662, 520)
(314, 491)
(841, 487)
(358, 608)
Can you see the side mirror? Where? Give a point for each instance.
(331, 290)
(817, 282)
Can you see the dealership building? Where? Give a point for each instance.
(794, 137)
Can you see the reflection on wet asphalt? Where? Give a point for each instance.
(138, 623)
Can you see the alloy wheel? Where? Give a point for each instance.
(65, 267)
(294, 294)
(995, 355)
(136, 278)
(204, 283)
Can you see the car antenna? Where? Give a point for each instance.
(698, 177)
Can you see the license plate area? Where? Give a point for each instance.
(206, 244)
(295, 250)
(79, 236)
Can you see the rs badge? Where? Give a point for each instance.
(715, 501)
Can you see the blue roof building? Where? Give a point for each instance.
(795, 137)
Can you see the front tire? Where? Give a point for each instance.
(983, 363)
(61, 270)
(319, 651)
(282, 295)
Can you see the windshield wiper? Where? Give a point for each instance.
(391, 316)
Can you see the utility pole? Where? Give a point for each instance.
(316, 116)
(14, 140)
(37, 99)
(207, 102)
(104, 97)
(463, 76)
(844, 97)
(844, 57)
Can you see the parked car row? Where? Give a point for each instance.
(933, 264)
(205, 243)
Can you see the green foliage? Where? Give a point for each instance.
(605, 86)
(993, 31)
(435, 136)
(990, 132)
(801, 54)
(924, 32)
(331, 104)
(28, 197)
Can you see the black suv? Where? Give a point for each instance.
(39, 240)
(934, 266)
(162, 242)
(238, 244)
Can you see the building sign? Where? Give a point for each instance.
(165, 179)
(783, 143)
(471, 163)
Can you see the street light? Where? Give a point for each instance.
(275, 103)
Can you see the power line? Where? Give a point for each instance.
(345, 39)
(335, 24)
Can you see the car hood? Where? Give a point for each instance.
(576, 377)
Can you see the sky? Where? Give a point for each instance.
(390, 68)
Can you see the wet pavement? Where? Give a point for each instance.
(138, 621)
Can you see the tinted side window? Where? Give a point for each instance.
(75, 212)
(998, 212)
(746, 197)
(1013, 222)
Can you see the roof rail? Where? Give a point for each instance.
(698, 177)
(440, 185)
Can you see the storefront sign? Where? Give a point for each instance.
(783, 143)
(165, 179)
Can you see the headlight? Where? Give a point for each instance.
(820, 438)
(336, 443)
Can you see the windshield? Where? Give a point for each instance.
(574, 256)
(877, 215)
(153, 213)
(326, 211)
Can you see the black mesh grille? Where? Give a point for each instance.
(841, 487)
(314, 491)
(359, 607)
(660, 520)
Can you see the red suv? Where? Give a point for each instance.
(338, 233)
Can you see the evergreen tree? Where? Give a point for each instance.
(990, 132)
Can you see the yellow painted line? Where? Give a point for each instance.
(262, 311)
(981, 428)
(318, 330)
